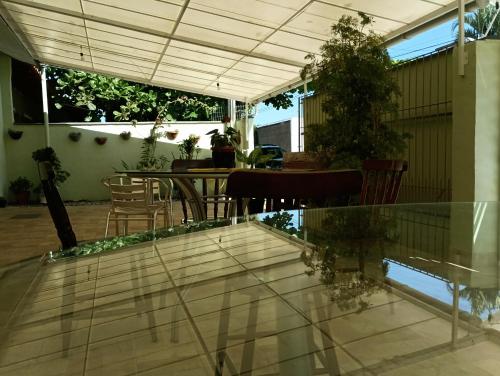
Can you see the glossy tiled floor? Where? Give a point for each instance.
(233, 300)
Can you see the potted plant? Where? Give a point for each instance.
(75, 136)
(171, 133)
(21, 188)
(125, 135)
(353, 77)
(15, 135)
(49, 155)
(255, 157)
(3, 202)
(223, 147)
(188, 148)
(100, 140)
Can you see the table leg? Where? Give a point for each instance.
(192, 197)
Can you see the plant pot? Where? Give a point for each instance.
(75, 136)
(125, 135)
(172, 135)
(100, 140)
(223, 157)
(15, 135)
(22, 198)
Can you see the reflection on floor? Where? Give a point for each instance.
(233, 300)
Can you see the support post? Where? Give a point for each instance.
(231, 109)
(45, 103)
(245, 145)
(461, 37)
(301, 139)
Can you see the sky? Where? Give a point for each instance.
(420, 44)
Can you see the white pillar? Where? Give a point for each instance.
(249, 129)
(301, 139)
(461, 38)
(231, 111)
(45, 104)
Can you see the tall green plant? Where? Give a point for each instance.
(353, 75)
(476, 23)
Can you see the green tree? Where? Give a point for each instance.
(353, 75)
(477, 22)
(100, 95)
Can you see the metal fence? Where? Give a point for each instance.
(425, 112)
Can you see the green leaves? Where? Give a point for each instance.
(353, 76)
(126, 100)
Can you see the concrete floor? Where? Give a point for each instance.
(28, 231)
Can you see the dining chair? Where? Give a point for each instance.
(218, 196)
(130, 201)
(382, 181)
(161, 196)
(300, 160)
(265, 190)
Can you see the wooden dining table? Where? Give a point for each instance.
(184, 180)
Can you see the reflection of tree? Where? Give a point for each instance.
(283, 222)
(481, 300)
(349, 254)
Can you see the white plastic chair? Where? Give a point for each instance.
(132, 200)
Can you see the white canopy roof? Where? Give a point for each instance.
(239, 49)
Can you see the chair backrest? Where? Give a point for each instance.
(185, 164)
(381, 181)
(289, 189)
(299, 160)
(128, 194)
(157, 188)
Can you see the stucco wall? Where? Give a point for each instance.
(476, 125)
(87, 161)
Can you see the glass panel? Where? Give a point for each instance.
(266, 70)
(212, 36)
(133, 17)
(384, 289)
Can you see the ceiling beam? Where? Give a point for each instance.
(167, 43)
(188, 89)
(161, 34)
(421, 24)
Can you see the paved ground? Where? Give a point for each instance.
(28, 231)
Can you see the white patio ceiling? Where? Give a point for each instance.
(250, 48)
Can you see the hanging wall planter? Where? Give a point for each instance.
(15, 135)
(125, 135)
(75, 136)
(172, 134)
(100, 140)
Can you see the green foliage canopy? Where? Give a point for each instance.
(125, 100)
(353, 75)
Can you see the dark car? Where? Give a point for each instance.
(276, 161)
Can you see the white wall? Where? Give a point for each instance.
(89, 162)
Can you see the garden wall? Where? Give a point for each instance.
(89, 162)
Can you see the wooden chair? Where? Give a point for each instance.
(289, 189)
(130, 201)
(381, 181)
(215, 199)
(300, 160)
